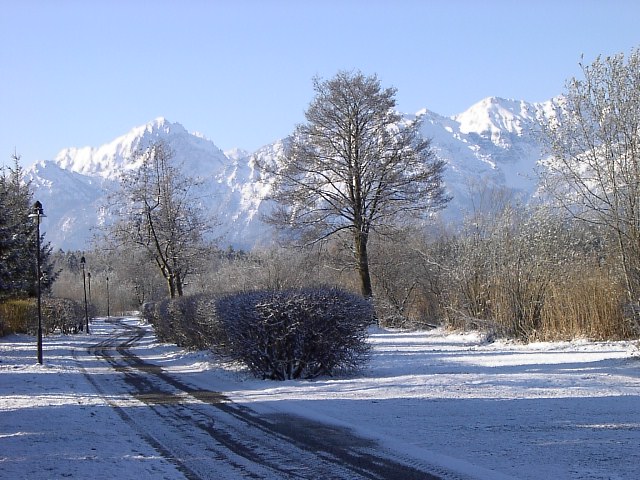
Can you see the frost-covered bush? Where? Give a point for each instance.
(296, 333)
(61, 314)
(276, 334)
(186, 321)
(152, 314)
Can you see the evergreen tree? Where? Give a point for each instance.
(17, 236)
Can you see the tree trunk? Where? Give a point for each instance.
(362, 263)
(179, 284)
(171, 285)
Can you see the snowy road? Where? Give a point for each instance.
(205, 435)
(119, 404)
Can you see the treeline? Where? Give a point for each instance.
(511, 270)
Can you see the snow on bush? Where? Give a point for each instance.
(61, 314)
(277, 334)
(186, 321)
(296, 333)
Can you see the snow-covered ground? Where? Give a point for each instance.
(503, 410)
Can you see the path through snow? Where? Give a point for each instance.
(567, 410)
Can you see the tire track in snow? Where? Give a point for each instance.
(206, 435)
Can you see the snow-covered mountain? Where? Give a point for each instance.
(108, 161)
(492, 143)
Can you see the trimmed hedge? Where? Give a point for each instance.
(58, 315)
(296, 333)
(62, 315)
(15, 315)
(278, 335)
(187, 321)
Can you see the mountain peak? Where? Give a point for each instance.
(162, 125)
(109, 160)
(495, 114)
(156, 128)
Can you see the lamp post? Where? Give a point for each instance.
(84, 284)
(89, 285)
(108, 296)
(38, 213)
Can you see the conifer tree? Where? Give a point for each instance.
(17, 236)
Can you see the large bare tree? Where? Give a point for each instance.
(156, 211)
(356, 166)
(594, 143)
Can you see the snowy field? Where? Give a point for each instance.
(503, 410)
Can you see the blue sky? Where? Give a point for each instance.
(82, 72)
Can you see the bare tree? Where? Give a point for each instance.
(354, 167)
(594, 143)
(157, 211)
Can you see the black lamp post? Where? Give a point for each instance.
(89, 282)
(108, 296)
(38, 213)
(84, 284)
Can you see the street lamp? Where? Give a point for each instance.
(89, 282)
(108, 296)
(38, 213)
(84, 284)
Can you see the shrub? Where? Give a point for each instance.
(16, 316)
(277, 335)
(62, 314)
(186, 321)
(58, 314)
(156, 314)
(296, 333)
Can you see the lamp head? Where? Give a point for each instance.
(37, 210)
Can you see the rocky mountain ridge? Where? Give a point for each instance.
(494, 142)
